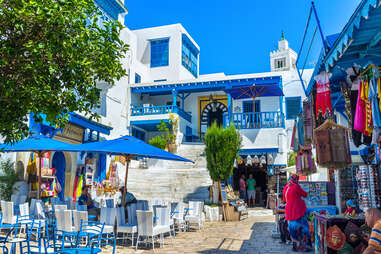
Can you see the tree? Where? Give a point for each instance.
(52, 54)
(222, 146)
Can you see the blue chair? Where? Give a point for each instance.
(4, 241)
(35, 240)
(89, 229)
(97, 242)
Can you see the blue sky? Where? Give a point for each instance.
(236, 37)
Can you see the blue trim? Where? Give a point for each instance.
(86, 123)
(258, 151)
(160, 80)
(355, 152)
(293, 109)
(260, 120)
(204, 86)
(159, 52)
(319, 26)
(138, 78)
(148, 125)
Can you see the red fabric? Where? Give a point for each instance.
(295, 206)
(349, 210)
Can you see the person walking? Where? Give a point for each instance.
(242, 188)
(295, 213)
(251, 191)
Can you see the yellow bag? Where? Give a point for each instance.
(109, 169)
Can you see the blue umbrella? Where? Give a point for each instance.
(129, 147)
(39, 144)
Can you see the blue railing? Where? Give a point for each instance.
(160, 110)
(255, 120)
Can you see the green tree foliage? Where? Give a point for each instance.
(158, 142)
(52, 54)
(291, 159)
(222, 146)
(8, 177)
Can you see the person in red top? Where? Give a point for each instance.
(295, 215)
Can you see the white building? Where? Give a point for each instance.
(163, 79)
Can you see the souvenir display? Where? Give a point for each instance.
(335, 238)
(332, 145)
(304, 162)
(368, 187)
(317, 193)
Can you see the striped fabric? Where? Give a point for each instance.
(375, 237)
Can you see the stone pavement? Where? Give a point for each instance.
(252, 235)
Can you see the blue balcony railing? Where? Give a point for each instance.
(160, 110)
(255, 120)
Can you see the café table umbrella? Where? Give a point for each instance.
(129, 147)
(39, 144)
(253, 91)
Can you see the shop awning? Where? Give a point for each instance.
(358, 43)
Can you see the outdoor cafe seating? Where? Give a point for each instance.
(37, 229)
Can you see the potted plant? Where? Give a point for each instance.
(174, 121)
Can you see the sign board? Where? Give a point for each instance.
(71, 132)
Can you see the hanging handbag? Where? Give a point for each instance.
(58, 186)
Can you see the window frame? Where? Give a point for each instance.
(159, 52)
(287, 110)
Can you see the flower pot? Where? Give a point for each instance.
(172, 148)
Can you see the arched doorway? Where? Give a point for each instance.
(213, 112)
(59, 163)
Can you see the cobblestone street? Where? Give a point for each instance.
(252, 235)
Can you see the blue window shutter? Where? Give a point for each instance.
(293, 107)
(160, 52)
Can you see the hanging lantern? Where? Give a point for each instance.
(270, 159)
(256, 159)
(263, 159)
(249, 160)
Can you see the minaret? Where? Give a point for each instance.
(284, 58)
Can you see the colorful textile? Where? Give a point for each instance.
(307, 122)
(323, 94)
(373, 98)
(79, 187)
(299, 229)
(295, 205)
(368, 109)
(335, 238)
(359, 123)
(375, 236)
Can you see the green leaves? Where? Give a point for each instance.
(222, 146)
(52, 54)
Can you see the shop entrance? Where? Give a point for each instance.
(59, 164)
(259, 174)
(215, 116)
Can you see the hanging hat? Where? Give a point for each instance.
(256, 159)
(335, 238)
(249, 161)
(350, 203)
(270, 159)
(263, 159)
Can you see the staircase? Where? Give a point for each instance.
(172, 180)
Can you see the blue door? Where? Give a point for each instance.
(59, 164)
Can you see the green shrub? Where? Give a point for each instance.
(8, 177)
(158, 142)
(222, 146)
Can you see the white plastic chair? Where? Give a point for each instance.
(24, 209)
(7, 209)
(126, 228)
(60, 207)
(155, 202)
(195, 213)
(163, 214)
(78, 217)
(147, 229)
(178, 215)
(108, 216)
